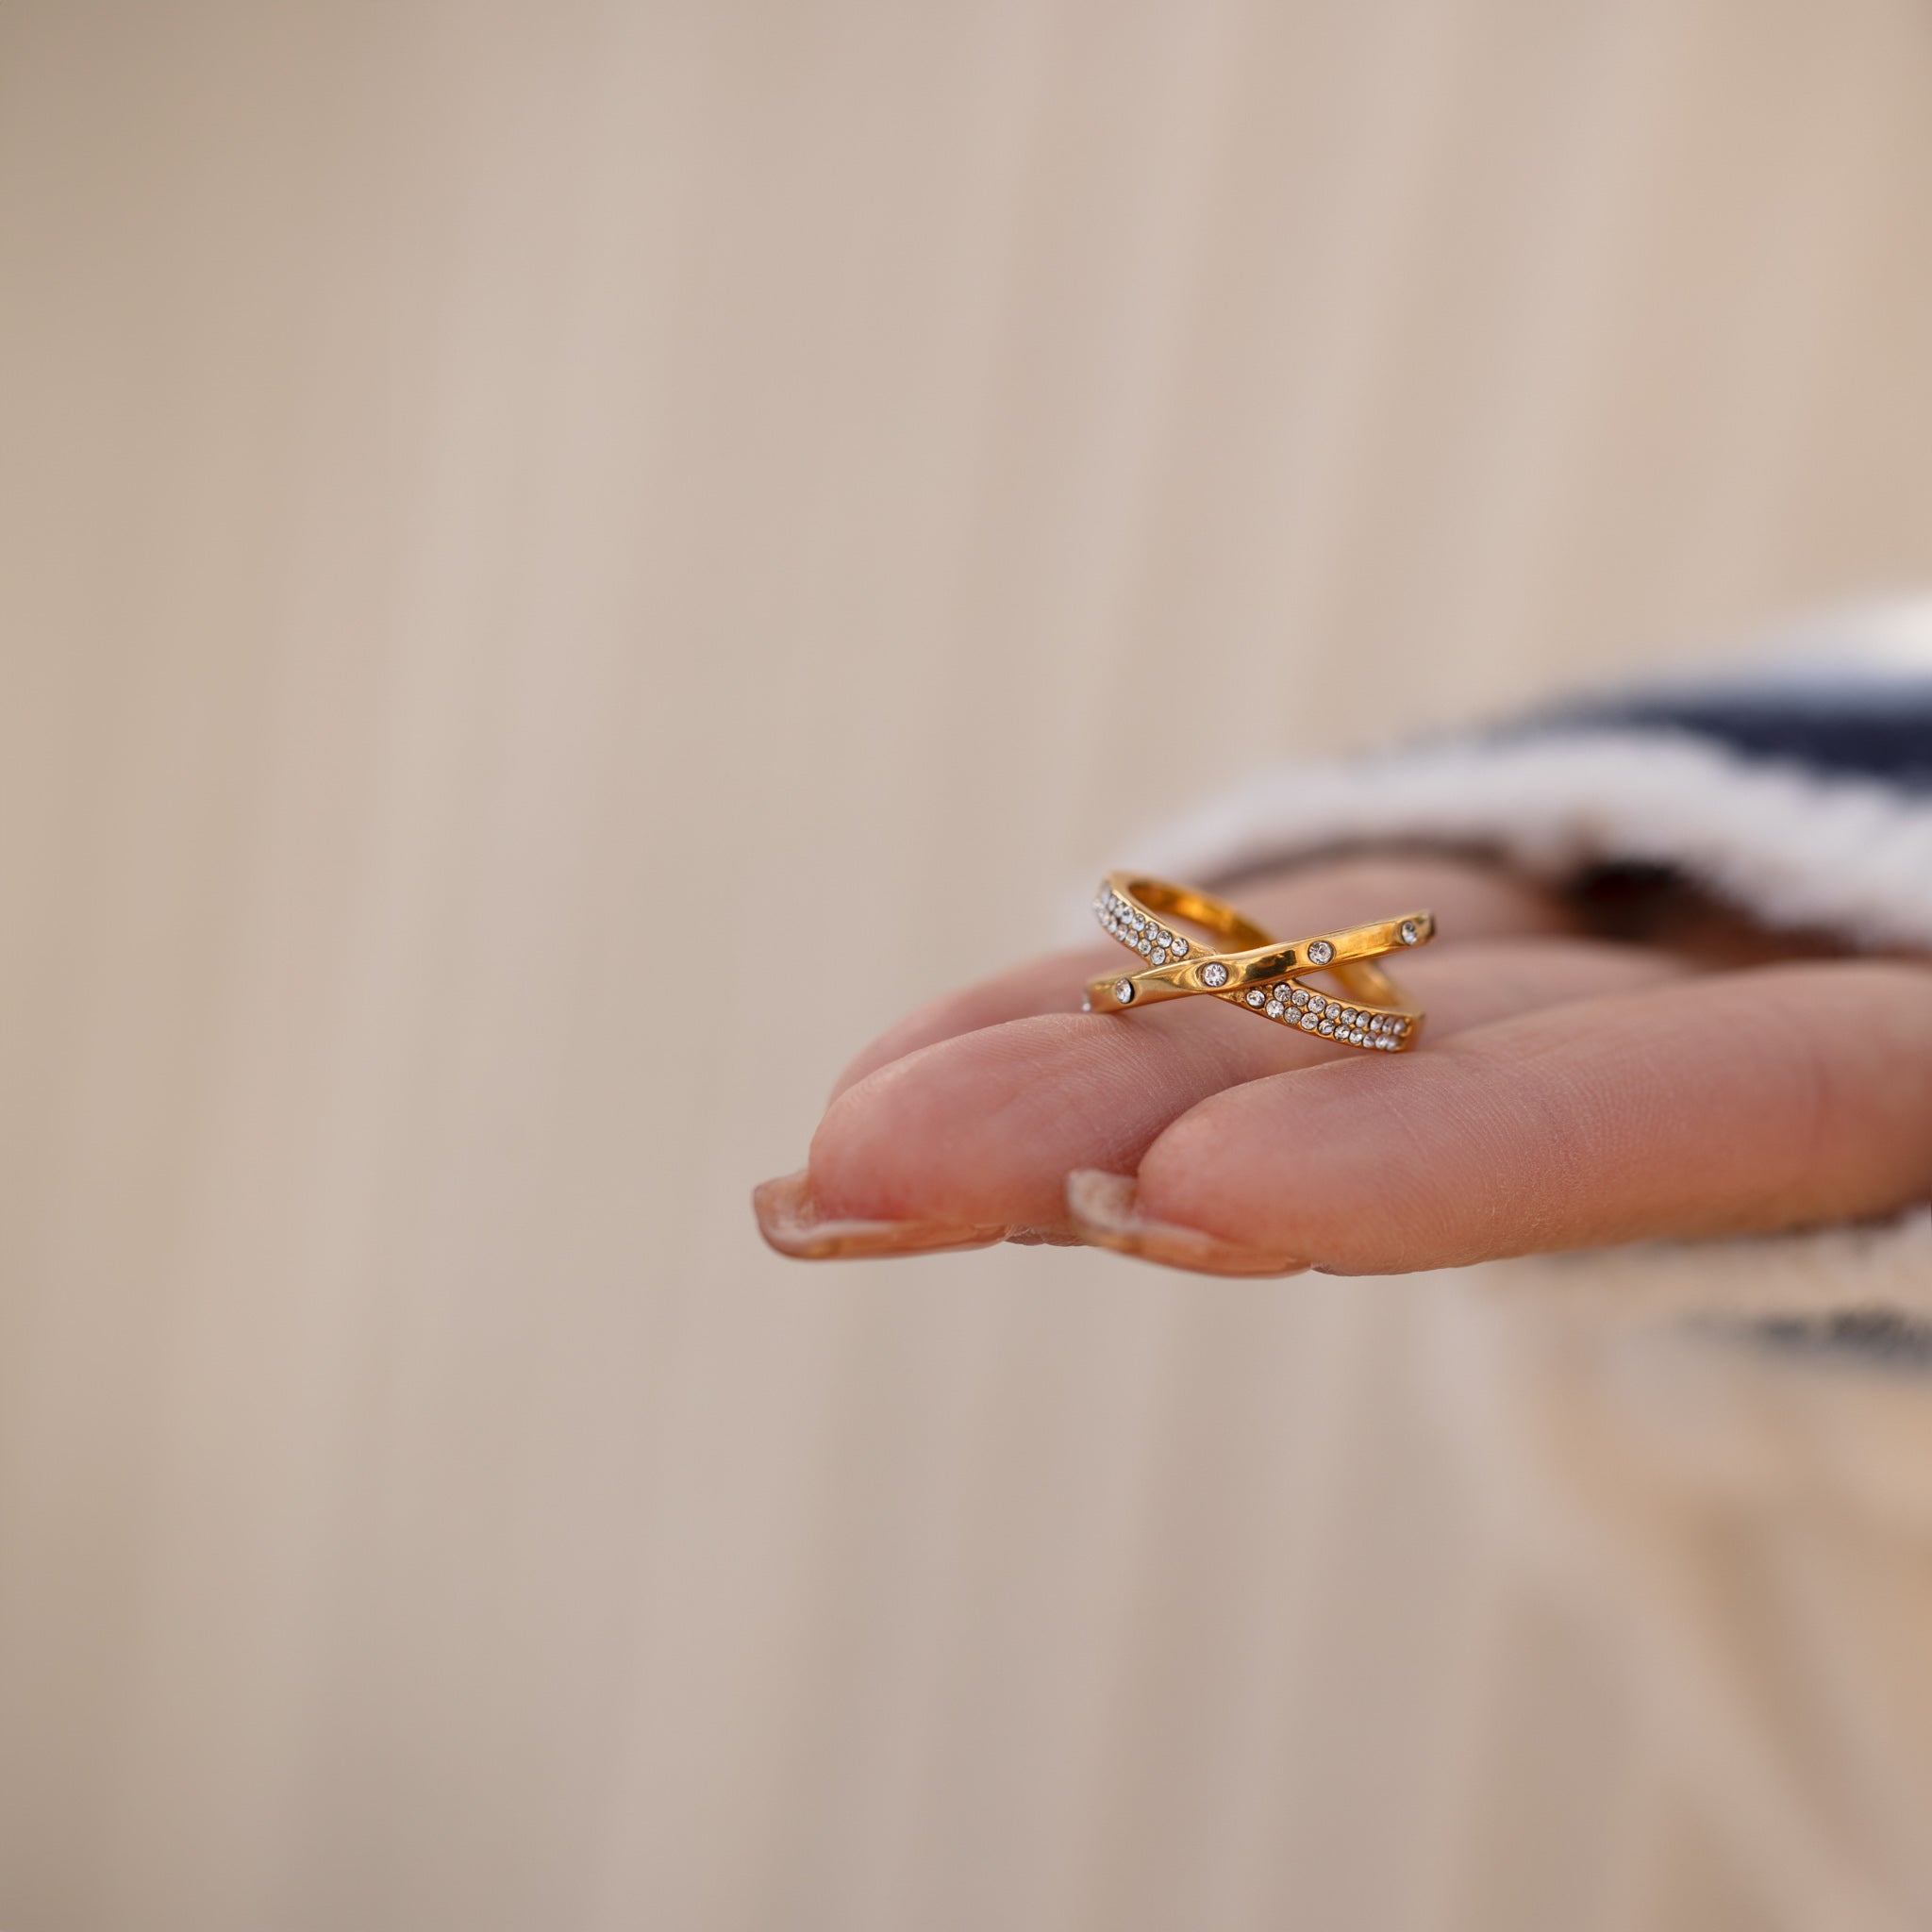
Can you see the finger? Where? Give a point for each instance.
(1782, 1098)
(983, 1128)
(1471, 902)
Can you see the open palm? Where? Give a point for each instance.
(1573, 1091)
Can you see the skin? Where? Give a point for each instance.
(1690, 1077)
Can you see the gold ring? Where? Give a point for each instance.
(1255, 971)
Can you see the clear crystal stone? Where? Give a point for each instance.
(1255, 996)
(1158, 956)
(1320, 953)
(1332, 1010)
(1124, 992)
(1179, 949)
(1309, 1023)
(1302, 995)
(1144, 946)
(1408, 932)
(1275, 1009)
(1350, 1014)
(1327, 1028)
(1284, 994)
(1086, 1005)
(1214, 974)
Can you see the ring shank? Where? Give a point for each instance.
(1198, 908)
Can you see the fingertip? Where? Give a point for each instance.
(794, 1222)
(1104, 1210)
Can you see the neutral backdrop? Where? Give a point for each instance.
(565, 563)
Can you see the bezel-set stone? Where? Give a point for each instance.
(1214, 974)
(1320, 953)
(1178, 948)
(1408, 932)
(1309, 1023)
(1124, 992)
(1275, 1009)
(1256, 997)
(1159, 956)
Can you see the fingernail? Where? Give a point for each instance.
(790, 1219)
(1104, 1211)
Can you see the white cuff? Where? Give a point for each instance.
(1790, 846)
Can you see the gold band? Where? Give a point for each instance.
(1256, 972)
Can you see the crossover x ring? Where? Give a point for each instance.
(1255, 971)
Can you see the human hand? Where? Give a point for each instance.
(1571, 1091)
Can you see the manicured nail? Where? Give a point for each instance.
(1102, 1209)
(790, 1219)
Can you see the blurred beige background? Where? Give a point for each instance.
(542, 544)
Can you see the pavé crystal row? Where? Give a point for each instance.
(1136, 931)
(1330, 1020)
